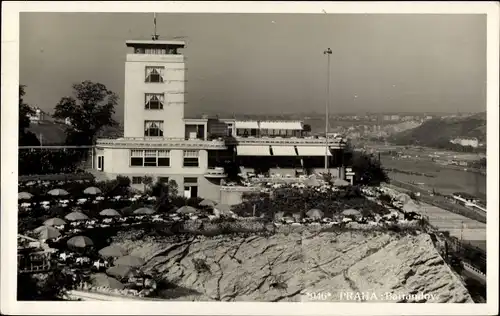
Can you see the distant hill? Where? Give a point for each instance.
(439, 131)
(52, 133)
(49, 133)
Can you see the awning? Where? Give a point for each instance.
(284, 151)
(289, 125)
(312, 151)
(247, 124)
(253, 151)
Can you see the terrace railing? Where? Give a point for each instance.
(36, 262)
(240, 188)
(161, 142)
(332, 142)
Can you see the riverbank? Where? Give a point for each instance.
(432, 176)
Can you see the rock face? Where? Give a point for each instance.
(306, 266)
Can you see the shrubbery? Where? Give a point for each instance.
(291, 201)
(47, 161)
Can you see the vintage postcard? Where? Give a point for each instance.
(250, 158)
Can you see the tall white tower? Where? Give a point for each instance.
(154, 89)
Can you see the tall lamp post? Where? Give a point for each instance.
(327, 52)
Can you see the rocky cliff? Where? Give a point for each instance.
(306, 266)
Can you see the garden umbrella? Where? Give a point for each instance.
(109, 212)
(24, 196)
(47, 232)
(120, 272)
(315, 213)
(278, 216)
(76, 216)
(410, 206)
(207, 202)
(129, 261)
(223, 208)
(54, 222)
(58, 192)
(144, 211)
(127, 210)
(187, 210)
(112, 251)
(403, 198)
(102, 280)
(80, 242)
(92, 191)
(340, 183)
(351, 212)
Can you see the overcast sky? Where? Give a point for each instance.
(271, 63)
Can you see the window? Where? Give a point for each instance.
(153, 128)
(154, 101)
(190, 180)
(191, 158)
(154, 74)
(150, 158)
(136, 180)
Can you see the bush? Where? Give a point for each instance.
(31, 287)
(200, 265)
(412, 195)
(385, 198)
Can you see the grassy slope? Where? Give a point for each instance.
(437, 131)
(54, 133)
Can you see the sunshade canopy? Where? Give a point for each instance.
(144, 211)
(314, 213)
(120, 272)
(109, 212)
(102, 280)
(58, 192)
(207, 202)
(76, 216)
(92, 191)
(47, 232)
(351, 212)
(187, 210)
(129, 261)
(24, 196)
(80, 242)
(54, 222)
(112, 251)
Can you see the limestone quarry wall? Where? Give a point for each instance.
(303, 266)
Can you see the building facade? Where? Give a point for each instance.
(466, 141)
(199, 154)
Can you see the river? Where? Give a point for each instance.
(446, 180)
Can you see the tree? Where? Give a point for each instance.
(173, 188)
(52, 287)
(367, 168)
(26, 138)
(89, 112)
(147, 181)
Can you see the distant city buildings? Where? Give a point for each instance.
(466, 141)
(38, 116)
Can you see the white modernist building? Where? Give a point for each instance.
(159, 142)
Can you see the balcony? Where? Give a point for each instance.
(161, 143)
(335, 143)
(215, 173)
(156, 58)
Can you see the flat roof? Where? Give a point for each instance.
(157, 42)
